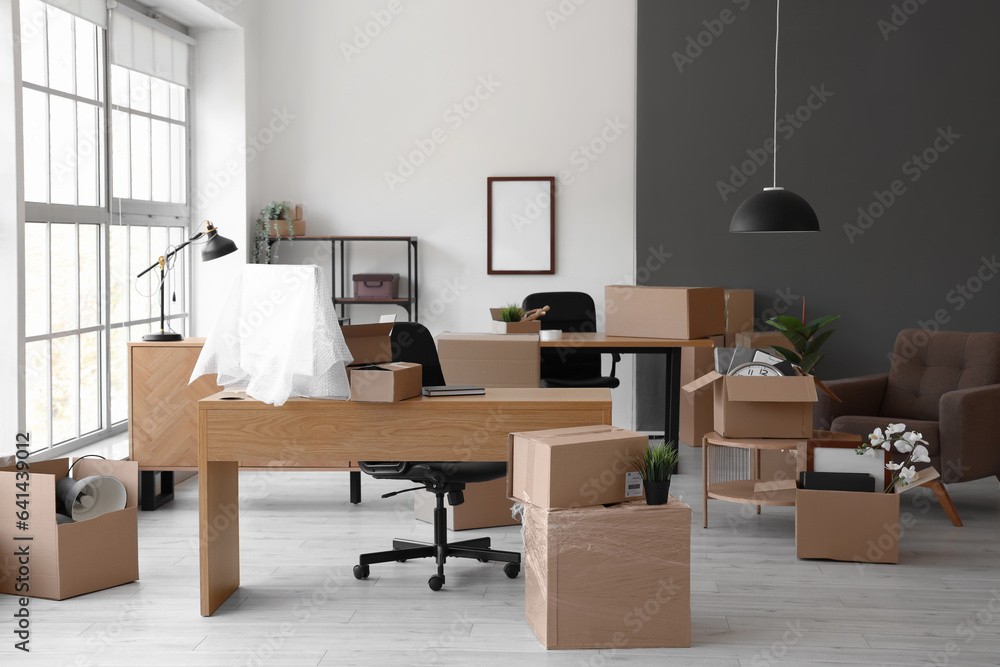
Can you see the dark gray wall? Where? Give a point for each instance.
(891, 94)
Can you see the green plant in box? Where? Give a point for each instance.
(264, 252)
(804, 338)
(512, 313)
(655, 466)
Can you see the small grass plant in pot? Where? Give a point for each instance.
(512, 313)
(655, 467)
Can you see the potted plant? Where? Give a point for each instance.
(655, 466)
(265, 252)
(804, 338)
(512, 313)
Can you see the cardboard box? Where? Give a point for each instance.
(574, 467)
(522, 327)
(761, 407)
(489, 360)
(664, 312)
(779, 464)
(697, 408)
(739, 313)
(609, 577)
(486, 506)
(375, 378)
(74, 558)
(762, 340)
(853, 527)
(278, 228)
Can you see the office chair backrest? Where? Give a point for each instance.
(412, 342)
(569, 311)
(927, 364)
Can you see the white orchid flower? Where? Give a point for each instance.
(913, 437)
(903, 446)
(893, 429)
(876, 436)
(920, 455)
(892, 465)
(908, 474)
(886, 445)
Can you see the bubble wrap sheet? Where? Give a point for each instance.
(277, 336)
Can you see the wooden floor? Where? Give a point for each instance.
(753, 603)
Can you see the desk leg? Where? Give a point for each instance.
(704, 481)
(672, 408)
(219, 529)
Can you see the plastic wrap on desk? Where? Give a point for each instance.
(609, 577)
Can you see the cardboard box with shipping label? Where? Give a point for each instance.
(574, 467)
(375, 378)
(761, 407)
(664, 312)
(850, 526)
(489, 360)
(71, 559)
(522, 327)
(486, 506)
(609, 577)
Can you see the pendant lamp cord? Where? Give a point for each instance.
(777, 31)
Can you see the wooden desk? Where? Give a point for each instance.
(669, 347)
(311, 432)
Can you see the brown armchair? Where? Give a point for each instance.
(946, 385)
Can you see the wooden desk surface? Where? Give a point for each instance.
(310, 432)
(599, 340)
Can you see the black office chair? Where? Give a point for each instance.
(571, 312)
(413, 343)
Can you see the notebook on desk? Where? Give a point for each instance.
(454, 390)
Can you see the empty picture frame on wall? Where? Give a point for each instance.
(520, 225)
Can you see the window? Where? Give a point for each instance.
(99, 208)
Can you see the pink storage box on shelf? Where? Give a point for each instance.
(376, 285)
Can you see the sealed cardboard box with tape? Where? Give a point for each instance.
(664, 312)
(574, 467)
(609, 577)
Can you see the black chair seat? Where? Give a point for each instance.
(461, 472)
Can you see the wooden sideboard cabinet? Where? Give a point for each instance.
(163, 416)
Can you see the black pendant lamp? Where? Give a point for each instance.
(775, 209)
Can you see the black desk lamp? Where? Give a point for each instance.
(216, 246)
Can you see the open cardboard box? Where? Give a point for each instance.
(762, 407)
(739, 314)
(762, 340)
(486, 506)
(522, 327)
(697, 408)
(490, 361)
(664, 312)
(574, 467)
(375, 378)
(849, 526)
(74, 558)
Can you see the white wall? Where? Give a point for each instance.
(345, 119)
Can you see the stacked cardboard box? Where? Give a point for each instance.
(490, 360)
(602, 569)
(664, 312)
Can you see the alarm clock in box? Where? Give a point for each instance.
(758, 395)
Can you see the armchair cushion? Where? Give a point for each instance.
(970, 433)
(927, 365)
(858, 396)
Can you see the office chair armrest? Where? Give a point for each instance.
(969, 431)
(615, 358)
(859, 396)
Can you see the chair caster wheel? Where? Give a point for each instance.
(511, 570)
(483, 560)
(361, 571)
(401, 560)
(436, 582)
